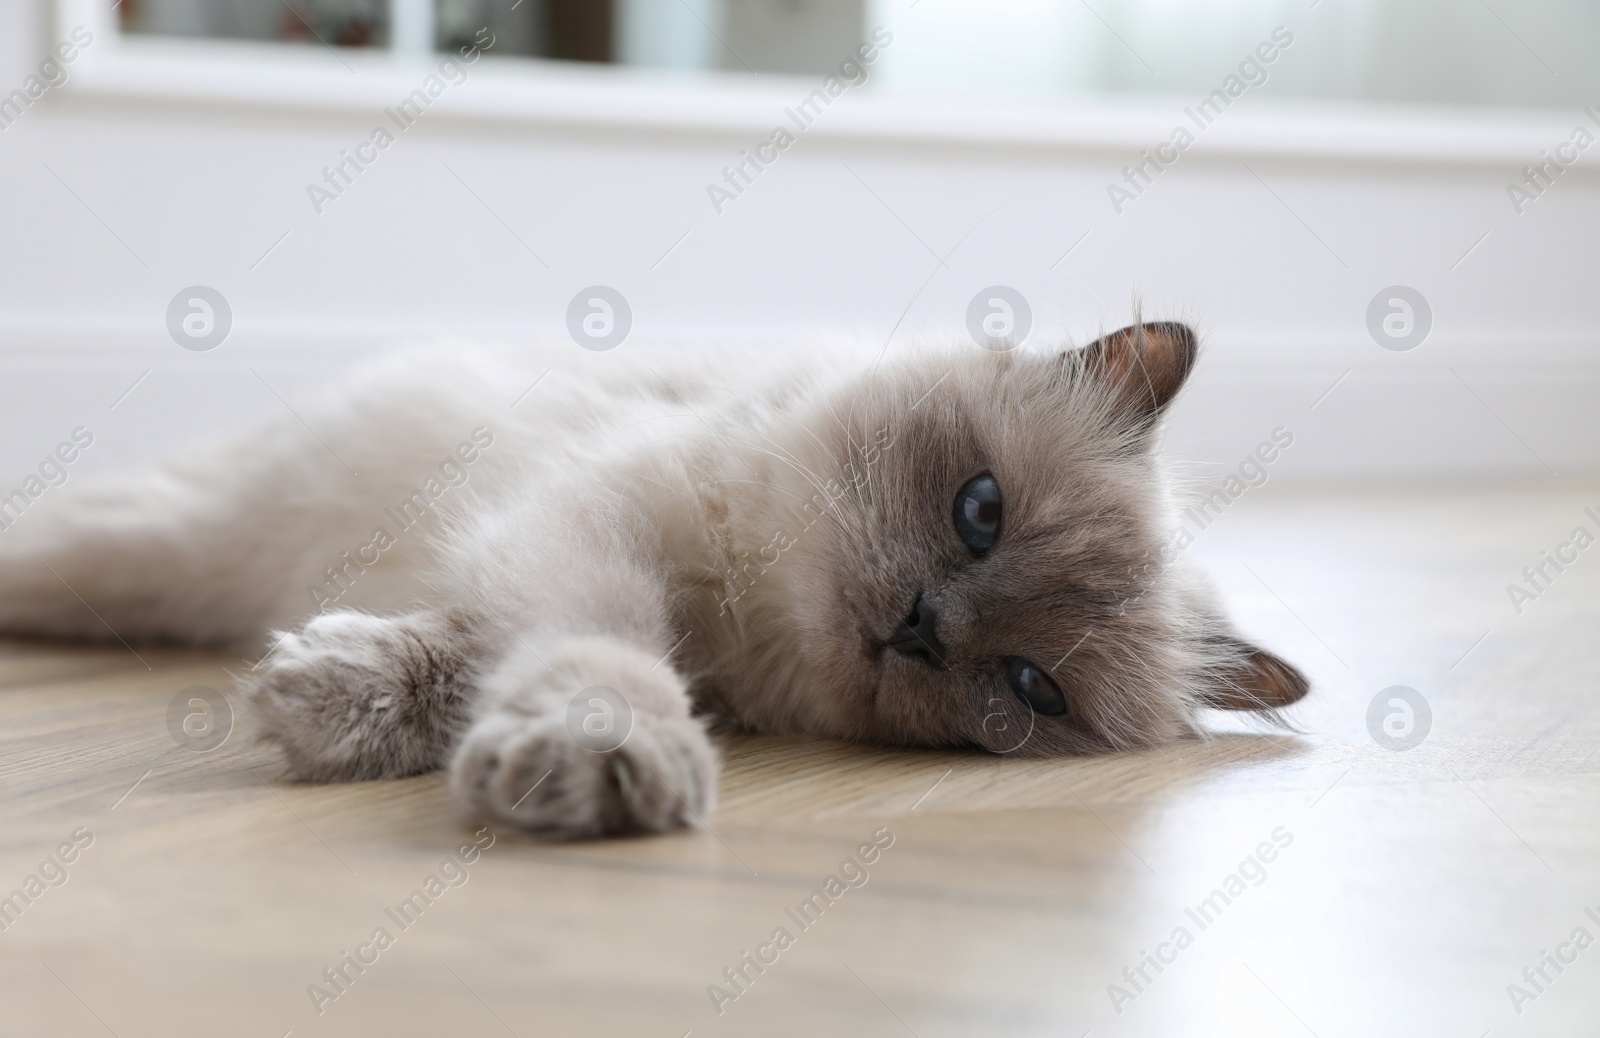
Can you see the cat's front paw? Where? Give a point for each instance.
(355, 696)
(575, 764)
(528, 770)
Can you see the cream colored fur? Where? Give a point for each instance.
(636, 522)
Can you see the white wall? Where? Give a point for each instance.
(199, 172)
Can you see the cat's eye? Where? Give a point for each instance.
(977, 513)
(1034, 687)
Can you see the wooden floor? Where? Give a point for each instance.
(1406, 890)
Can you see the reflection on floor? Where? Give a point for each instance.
(1259, 882)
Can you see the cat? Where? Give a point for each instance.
(546, 570)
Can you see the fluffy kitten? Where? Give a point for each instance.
(959, 548)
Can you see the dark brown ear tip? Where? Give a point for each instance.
(1177, 330)
(1185, 342)
(1144, 364)
(1284, 678)
(1257, 680)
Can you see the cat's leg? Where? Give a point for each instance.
(230, 539)
(161, 554)
(582, 723)
(212, 549)
(586, 736)
(555, 607)
(355, 696)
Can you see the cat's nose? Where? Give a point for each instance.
(918, 634)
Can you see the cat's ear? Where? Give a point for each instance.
(1144, 364)
(1254, 679)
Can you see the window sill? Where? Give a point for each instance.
(234, 76)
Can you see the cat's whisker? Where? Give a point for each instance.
(771, 410)
(806, 473)
(816, 478)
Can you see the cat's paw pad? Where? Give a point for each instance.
(530, 770)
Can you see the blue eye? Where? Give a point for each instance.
(977, 513)
(1034, 687)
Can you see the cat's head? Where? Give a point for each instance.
(974, 548)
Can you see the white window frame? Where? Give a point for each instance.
(255, 75)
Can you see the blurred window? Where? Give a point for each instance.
(1465, 52)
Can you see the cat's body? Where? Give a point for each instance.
(459, 560)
